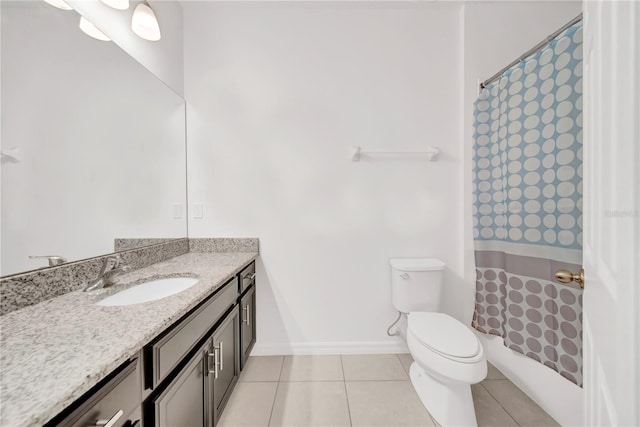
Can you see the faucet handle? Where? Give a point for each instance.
(53, 259)
(110, 263)
(109, 276)
(120, 264)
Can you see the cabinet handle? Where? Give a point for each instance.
(215, 362)
(209, 356)
(249, 276)
(218, 360)
(245, 319)
(248, 315)
(111, 421)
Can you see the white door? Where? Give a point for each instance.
(612, 213)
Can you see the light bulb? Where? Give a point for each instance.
(60, 4)
(117, 4)
(89, 29)
(144, 23)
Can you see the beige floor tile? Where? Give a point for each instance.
(489, 413)
(373, 367)
(312, 368)
(250, 404)
(435, 423)
(262, 368)
(524, 410)
(493, 373)
(386, 403)
(300, 404)
(406, 360)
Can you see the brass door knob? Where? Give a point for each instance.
(565, 276)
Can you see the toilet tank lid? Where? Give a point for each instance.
(417, 264)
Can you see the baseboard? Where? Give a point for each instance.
(310, 348)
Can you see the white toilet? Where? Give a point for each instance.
(448, 356)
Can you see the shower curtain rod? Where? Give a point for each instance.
(531, 51)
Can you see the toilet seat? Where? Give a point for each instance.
(445, 336)
(446, 368)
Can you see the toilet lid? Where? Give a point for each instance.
(443, 334)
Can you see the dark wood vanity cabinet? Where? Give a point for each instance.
(247, 324)
(223, 366)
(184, 377)
(196, 396)
(165, 353)
(192, 390)
(247, 302)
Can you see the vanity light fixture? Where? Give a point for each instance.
(91, 30)
(60, 4)
(117, 4)
(144, 22)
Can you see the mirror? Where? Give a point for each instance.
(93, 144)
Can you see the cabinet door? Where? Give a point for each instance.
(183, 401)
(224, 372)
(247, 325)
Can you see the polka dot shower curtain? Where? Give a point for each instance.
(528, 205)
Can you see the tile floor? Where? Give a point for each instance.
(359, 390)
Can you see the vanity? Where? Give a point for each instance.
(211, 367)
(101, 176)
(171, 362)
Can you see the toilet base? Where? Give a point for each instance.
(450, 404)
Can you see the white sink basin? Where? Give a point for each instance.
(149, 291)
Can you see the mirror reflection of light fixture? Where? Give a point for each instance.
(91, 30)
(144, 22)
(117, 4)
(60, 4)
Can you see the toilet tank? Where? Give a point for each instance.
(416, 284)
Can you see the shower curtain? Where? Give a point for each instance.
(527, 211)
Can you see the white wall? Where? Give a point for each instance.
(495, 33)
(163, 57)
(278, 94)
(100, 142)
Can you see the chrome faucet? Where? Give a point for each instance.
(110, 269)
(53, 259)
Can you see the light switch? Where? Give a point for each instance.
(198, 211)
(177, 211)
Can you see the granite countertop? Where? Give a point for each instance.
(53, 352)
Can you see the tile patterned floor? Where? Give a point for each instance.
(359, 390)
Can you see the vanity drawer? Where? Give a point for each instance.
(247, 277)
(167, 352)
(117, 400)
